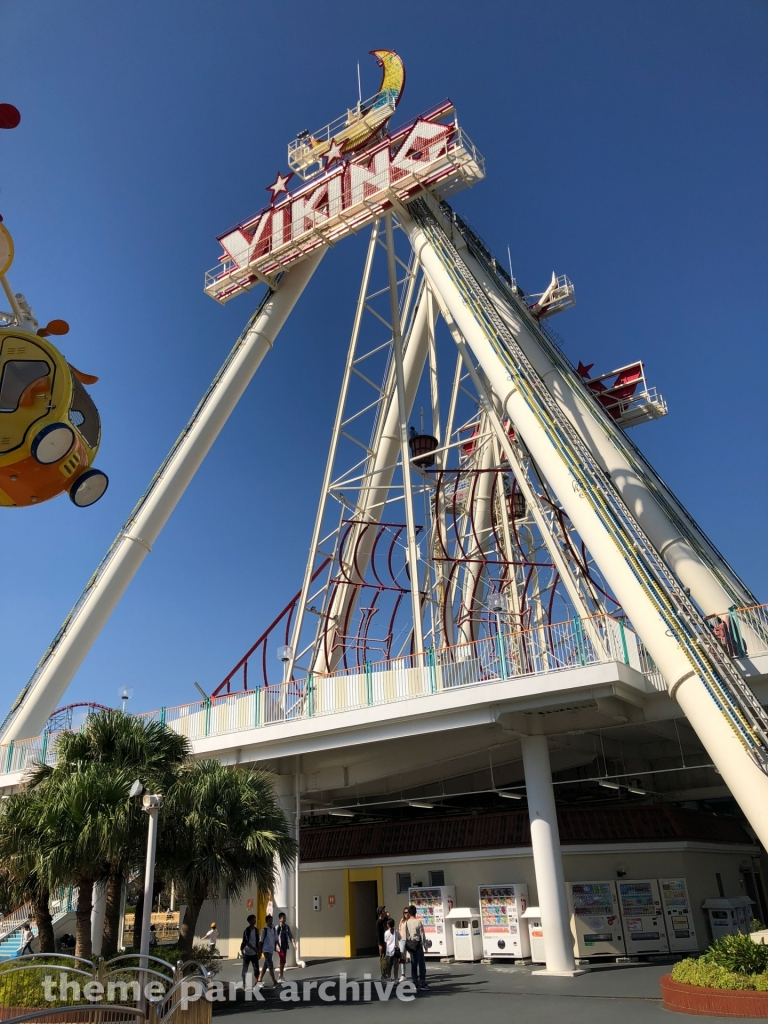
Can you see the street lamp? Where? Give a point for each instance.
(285, 654)
(151, 804)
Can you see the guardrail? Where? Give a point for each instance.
(541, 650)
(742, 631)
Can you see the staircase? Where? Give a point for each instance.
(63, 901)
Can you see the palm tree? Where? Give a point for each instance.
(22, 880)
(78, 808)
(221, 830)
(128, 747)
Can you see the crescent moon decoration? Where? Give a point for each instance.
(6, 250)
(374, 115)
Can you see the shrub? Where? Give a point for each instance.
(738, 954)
(709, 975)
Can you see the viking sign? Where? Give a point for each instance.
(430, 153)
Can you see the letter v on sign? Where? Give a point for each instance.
(242, 245)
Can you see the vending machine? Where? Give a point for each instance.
(501, 911)
(595, 919)
(676, 905)
(434, 904)
(645, 923)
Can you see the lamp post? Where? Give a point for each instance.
(496, 605)
(151, 804)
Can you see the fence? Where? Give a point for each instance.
(539, 651)
(124, 976)
(742, 631)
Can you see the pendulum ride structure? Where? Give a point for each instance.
(476, 482)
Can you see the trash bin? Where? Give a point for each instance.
(729, 915)
(467, 937)
(536, 934)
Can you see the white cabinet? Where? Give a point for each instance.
(467, 939)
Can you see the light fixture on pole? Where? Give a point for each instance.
(342, 814)
(509, 794)
(420, 805)
(125, 693)
(637, 790)
(285, 654)
(151, 804)
(608, 785)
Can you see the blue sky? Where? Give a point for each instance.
(625, 145)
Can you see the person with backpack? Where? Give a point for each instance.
(249, 948)
(381, 926)
(416, 944)
(284, 940)
(268, 945)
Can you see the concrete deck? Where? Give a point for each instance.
(491, 994)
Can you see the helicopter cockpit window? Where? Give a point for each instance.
(18, 374)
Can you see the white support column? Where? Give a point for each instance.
(285, 896)
(548, 859)
(98, 913)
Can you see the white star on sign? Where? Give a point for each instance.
(280, 185)
(334, 153)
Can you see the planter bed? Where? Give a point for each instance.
(712, 1002)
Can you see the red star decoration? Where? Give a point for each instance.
(334, 153)
(583, 371)
(279, 185)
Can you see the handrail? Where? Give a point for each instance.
(595, 639)
(45, 1011)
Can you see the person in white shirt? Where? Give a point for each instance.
(211, 936)
(27, 938)
(268, 943)
(392, 949)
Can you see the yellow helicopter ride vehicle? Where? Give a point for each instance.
(49, 426)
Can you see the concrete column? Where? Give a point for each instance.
(285, 896)
(547, 859)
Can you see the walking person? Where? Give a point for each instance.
(392, 948)
(249, 947)
(416, 944)
(284, 940)
(382, 915)
(268, 944)
(401, 942)
(211, 936)
(27, 938)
